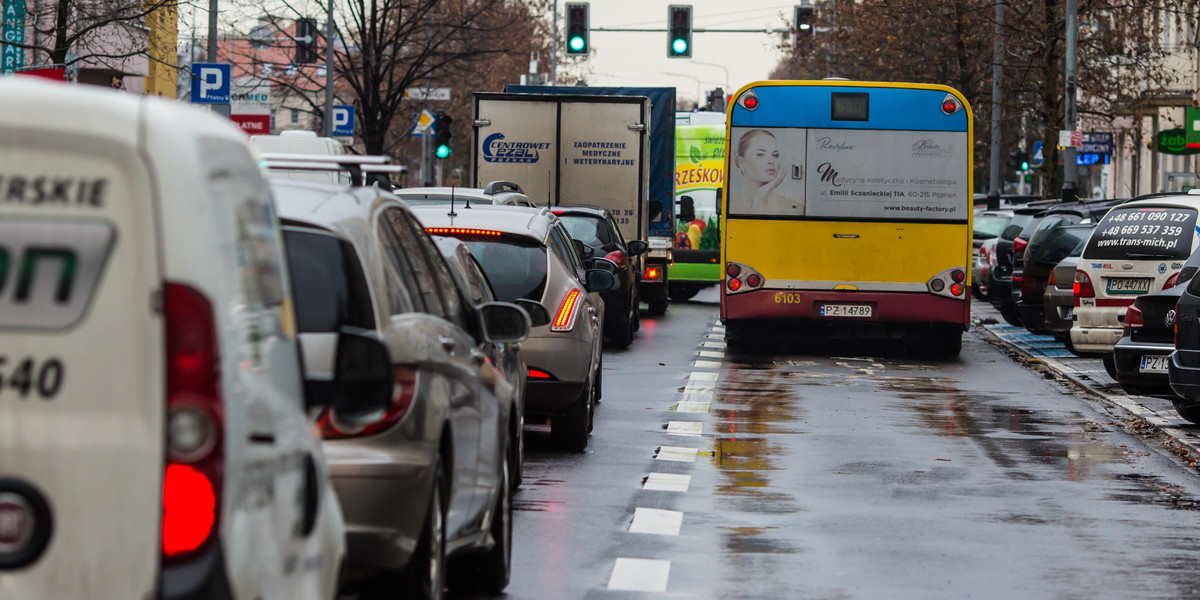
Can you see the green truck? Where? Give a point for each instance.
(699, 173)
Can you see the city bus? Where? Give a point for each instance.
(847, 209)
(699, 174)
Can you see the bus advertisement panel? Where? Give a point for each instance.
(848, 204)
(699, 175)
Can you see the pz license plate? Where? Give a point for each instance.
(1128, 286)
(1153, 364)
(846, 310)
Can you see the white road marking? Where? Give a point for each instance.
(692, 406)
(667, 482)
(713, 344)
(716, 336)
(656, 521)
(640, 575)
(685, 427)
(677, 454)
(707, 364)
(710, 354)
(702, 376)
(699, 387)
(698, 396)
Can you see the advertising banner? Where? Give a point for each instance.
(699, 174)
(12, 31)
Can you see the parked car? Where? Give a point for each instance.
(527, 254)
(596, 229)
(1053, 241)
(1183, 366)
(987, 226)
(1142, 354)
(430, 478)
(1137, 248)
(500, 193)
(159, 447)
(1058, 301)
(999, 274)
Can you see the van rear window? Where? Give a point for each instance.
(1143, 233)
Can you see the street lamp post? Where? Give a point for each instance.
(722, 67)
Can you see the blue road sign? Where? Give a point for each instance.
(211, 83)
(343, 120)
(1036, 159)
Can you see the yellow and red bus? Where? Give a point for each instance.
(847, 206)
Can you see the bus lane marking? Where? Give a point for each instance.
(710, 354)
(656, 521)
(707, 364)
(640, 575)
(693, 406)
(667, 482)
(685, 427)
(713, 344)
(677, 454)
(702, 376)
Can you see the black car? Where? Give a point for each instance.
(999, 276)
(1142, 355)
(596, 229)
(1183, 366)
(1053, 241)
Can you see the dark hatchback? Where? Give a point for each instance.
(1143, 354)
(598, 231)
(1053, 241)
(999, 276)
(1183, 367)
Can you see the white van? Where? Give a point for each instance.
(302, 142)
(1137, 248)
(153, 432)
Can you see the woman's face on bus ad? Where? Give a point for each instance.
(760, 160)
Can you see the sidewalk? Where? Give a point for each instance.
(1149, 417)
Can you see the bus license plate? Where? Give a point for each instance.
(846, 310)
(1128, 286)
(1154, 364)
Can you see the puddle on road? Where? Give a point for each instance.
(754, 540)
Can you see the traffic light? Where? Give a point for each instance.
(1012, 160)
(679, 31)
(803, 19)
(306, 41)
(442, 134)
(1018, 160)
(577, 28)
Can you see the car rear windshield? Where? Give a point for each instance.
(589, 230)
(1015, 226)
(515, 267)
(1052, 244)
(328, 283)
(989, 226)
(1143, 232)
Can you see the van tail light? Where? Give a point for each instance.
(564, 319)
(1083, 287)
(193, 477)
(403, 392)
(1171, 281)
(1019, 245)
(618, 257)
(1134, 319)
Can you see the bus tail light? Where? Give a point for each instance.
(749, 100)
(741, 278)
(949, 283)
(951, 104)
(1083, 287)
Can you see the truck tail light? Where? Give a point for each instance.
(192, 479)
(403, 392)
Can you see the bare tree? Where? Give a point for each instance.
(98, 34)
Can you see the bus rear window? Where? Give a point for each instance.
(1143, 233)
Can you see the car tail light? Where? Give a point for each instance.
(1134, 319)
(403, 392)
(558, 211)
(1019, 245)
(1051, 280)
(1171, 281)
(618, 257)
(460, 231)
(192, 479)
(1083, 287)
(564, 320)
(536, 374)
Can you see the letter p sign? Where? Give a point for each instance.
(343, 120)
(210, 83)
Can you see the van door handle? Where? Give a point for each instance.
(447, 343)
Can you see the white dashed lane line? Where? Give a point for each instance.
(702, 376)
(667, 482)
(640, 575)
(710, 354)
(685, 427)
(677, 454)
(693, 406)
(712, 344)
(656, 521)
(707, 364)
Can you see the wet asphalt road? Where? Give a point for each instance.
(848, 472)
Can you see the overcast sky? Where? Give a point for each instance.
(640, 58)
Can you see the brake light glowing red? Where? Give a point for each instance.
(750, 102)
(189, 509)
(653, 273)
(1083, 287)
(460, 231)
(194, 422)
(536, 374)
(404, 390)
(1020, 244)
(949, 107)
(956, 289)
(565, 319)
(734, 284)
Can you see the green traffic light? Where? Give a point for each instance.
(576, 44)
(1025, 166)
(679, 46)
(443, 151)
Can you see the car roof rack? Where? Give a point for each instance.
(362, 169)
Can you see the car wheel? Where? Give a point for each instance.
(598, 381)
(978, 293)
(637, 317)
(489, 573)
(656, 298)
(1189, 413)
(620, 334)
(1008, 310)
(425, 576)
(1110, 365)
(569, 431)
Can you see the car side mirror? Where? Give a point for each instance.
(636, 248)
(504, 323)
(538, 315)
(599, 280)
(656, 209)
(362, 379)
(583, 250)
(687, 209)
(604, 264)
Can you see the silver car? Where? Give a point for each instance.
(430, 476)
(527, 254)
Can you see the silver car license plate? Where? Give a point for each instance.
(1153, 364)
(846, 310)
(1128, 285)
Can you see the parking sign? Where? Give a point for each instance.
(343, 120)
(211, 83)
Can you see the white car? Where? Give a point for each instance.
(1139, 247)
(154, 440)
